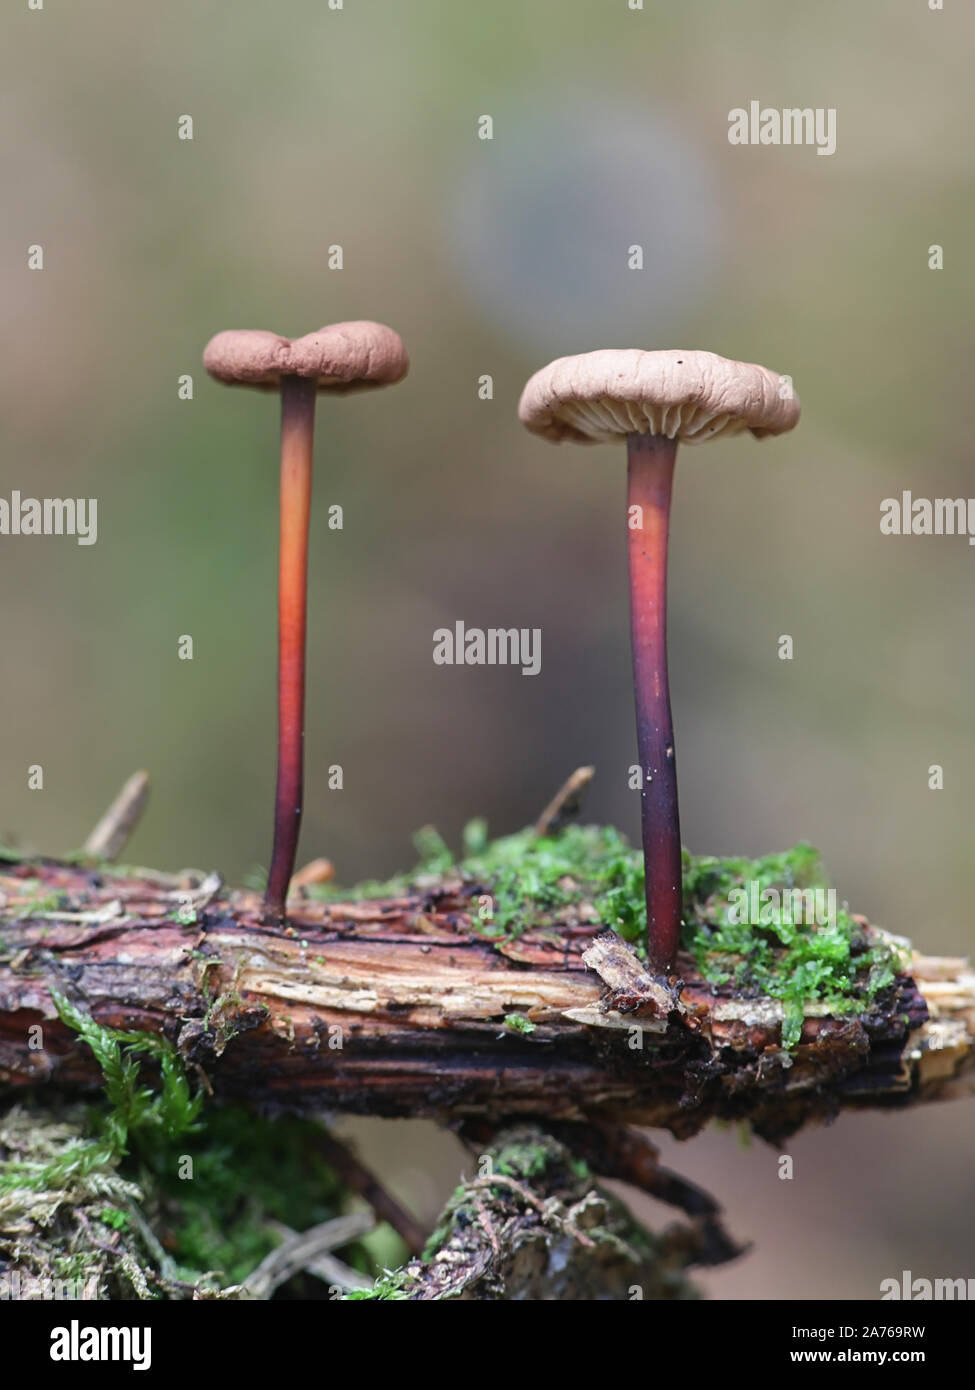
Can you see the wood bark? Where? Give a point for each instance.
(554, 1235)
(402, 1007)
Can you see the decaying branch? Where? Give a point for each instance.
(533, 1226)
(401, 1006)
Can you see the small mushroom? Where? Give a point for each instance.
(654, 400)
(341, 357)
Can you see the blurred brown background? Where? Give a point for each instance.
(359, 127)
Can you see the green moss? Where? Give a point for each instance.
(168, 1111)
(523, 1159)
(536, 879)
(84, 1226)
(530, 879)
(389, 1285)
(434, 852)
(220, 1008)
(76, 1161)
(533, 881)
(218, 1192)
(111, 1216)
(527, 1156)
(214, 1188)
(132, 1108)
(43, 902)
(835, 963)
(531, 1222)
(518, 1023)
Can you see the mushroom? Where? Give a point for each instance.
(654, 400)
(340, 357)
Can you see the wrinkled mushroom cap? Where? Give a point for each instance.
(339, 357)
(685, 395)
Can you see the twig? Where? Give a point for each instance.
(618, 1151)
(318, 871)
(113, 831)
(295, 1253)
(356, 1176)
(487, 1226)
(549, 1211)
(502, 1180)
(327, 1267)
(566, 801)
(573, 1230)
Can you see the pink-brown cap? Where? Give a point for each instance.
(685, 395)
(339, 357)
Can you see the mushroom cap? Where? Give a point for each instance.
(339, 357)
(685, 395)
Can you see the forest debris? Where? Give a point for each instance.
(362, 1011)
(326, 1266)
(66, 1225)
(114, 830)
(298, 1251)
(534, 1225)
(356, 1176)
(566, 802)
(631, 987)
(313, 874)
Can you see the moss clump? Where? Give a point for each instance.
(183, 1202)
(518, 1023)
(534, 879)
(392, 1284)
(525, 1156)
(80, 1231)
(133, 1111)
(533, 1224)
(216, 1196)
(837, 962)
(530, 879)
(592, 872)
(165, 1112)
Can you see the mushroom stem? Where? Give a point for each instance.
(650, 460)
(297, 438)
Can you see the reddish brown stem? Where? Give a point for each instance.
(297, 439)
(651, 472)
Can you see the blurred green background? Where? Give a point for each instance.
(359, 128)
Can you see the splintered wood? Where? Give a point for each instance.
(401, 1006)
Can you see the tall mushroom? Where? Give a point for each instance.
(338, 358)
(654, 400)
